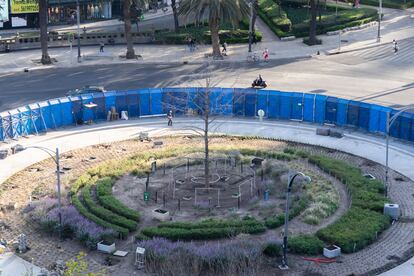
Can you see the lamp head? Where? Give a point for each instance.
(307, 179)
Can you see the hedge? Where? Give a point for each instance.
(365, 193)
(355, 230)
(106, 214)
(364, 220)
(305, 244)
(123, 232)
(204, 230)
(278, 23)
(294, 211)
(107, 200)
(272, 249)
(203, 35)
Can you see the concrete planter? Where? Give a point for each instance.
(102, 247)
(332, 251)
(161, 214)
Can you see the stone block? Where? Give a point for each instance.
(322, 131)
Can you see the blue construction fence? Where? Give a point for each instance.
(314, 108)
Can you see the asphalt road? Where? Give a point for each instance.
(376, 80)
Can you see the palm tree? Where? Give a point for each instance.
(43, 32)
(130, 54)
(312, 25)
(255, 9)
(174, 9)
(218, 11)
(128, 5)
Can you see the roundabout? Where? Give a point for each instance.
(108, 134)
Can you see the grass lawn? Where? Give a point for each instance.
(329, 22)
(295, 17)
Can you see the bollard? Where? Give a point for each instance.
(188, 164)
(235, 162)
(258, 192)
(238, 202)
(163, 200)
(179, 205)
(164, 168)
(156, 196)
(241, 167)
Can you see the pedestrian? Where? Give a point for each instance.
(266, 54)
(189, 44)
(101, 48)
(224, 51)
(84, 30)
(254, 38)
(170, 117)
(395, 46)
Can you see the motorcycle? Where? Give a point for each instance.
(259, 83)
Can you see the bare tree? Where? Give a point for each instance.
(204, 108)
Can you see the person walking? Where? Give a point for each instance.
(224, 51)
(170, 117)
(101, 48)
(395, 46)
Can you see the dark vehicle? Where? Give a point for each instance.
(85, 90)
(259, 82)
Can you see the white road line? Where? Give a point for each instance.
(74, 74)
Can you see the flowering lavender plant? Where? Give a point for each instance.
(85, 230)
(179, 258)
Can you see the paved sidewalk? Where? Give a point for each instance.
(395, 241)
(396, 25)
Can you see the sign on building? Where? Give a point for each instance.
(24, 6)
(4, 11)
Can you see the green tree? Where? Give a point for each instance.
(218, 11)
(43, 31)
(79, 267)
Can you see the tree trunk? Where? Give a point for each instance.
(312, 27)
(43, 31)
(174, 9)
(206, 149)
(130, 54)
(255, 9)
(318, 7)
(215, 39)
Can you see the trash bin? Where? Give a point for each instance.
(266, 195)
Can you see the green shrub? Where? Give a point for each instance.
(106, 214)
(365, 193)
(355, 230)
(302, 153)
(204, 230)
(107, 200)
(305, 244)
(297, 208)
(141, 237)
(289, 151)
(274, 17)
(272, 249)
(123, 232)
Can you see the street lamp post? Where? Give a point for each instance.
(55, 156)
(78, 21)
(291, 179)
(379, 21)
(390, 122)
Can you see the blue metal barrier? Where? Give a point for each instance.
(313, 108)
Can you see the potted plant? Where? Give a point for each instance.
(107, 245)
(332, 251)
(161, 214)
